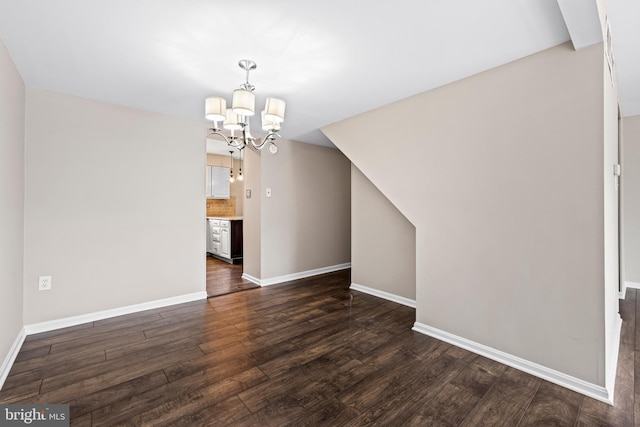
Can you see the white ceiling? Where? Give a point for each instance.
(329, 60)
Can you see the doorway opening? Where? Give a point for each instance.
(224, 278)
(224, 219)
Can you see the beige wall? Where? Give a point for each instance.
(631, 198)
(236, 188)
(383, 241)
(251, 226)
(306, 222)
(509, 206)
(93, 170)
(12, 206)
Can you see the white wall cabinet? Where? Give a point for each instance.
(217, 185)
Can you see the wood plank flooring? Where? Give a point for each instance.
(300, 354)
(224, 278)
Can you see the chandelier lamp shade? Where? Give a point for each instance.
(237, 118)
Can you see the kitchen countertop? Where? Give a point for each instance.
(230, 218)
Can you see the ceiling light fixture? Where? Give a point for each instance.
(237, 117)
(240, 177)
(231, 168)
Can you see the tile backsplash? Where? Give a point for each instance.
(221, 207)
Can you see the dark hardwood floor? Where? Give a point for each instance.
(295, 354)
(224, 278)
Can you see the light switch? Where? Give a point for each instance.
(44, 283)
(268, 192)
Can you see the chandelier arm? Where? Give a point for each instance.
(259, 145)
(214, 131)
(232, 141)
(237, 143)
(270, 137)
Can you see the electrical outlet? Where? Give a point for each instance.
(44, 283)
(268, 192)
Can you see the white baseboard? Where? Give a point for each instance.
(251, 278)
(296, 276)
(632, 285)
(588, 389)
(99, 315)
(623, 291)
(11, 356)
(613, 357)
(384, 295)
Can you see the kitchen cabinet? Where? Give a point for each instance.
(208, 236)
(217, 184)
(213, 236)
(224, 240)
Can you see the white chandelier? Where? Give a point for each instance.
(237, 118)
